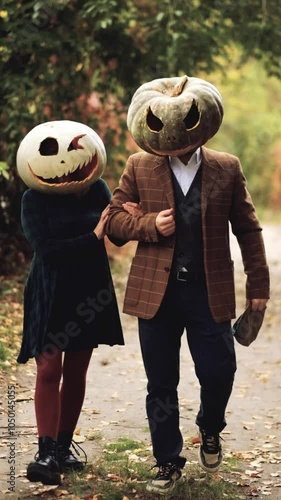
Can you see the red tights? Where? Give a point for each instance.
(58, 408)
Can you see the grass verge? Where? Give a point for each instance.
(124, 468)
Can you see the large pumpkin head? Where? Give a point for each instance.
(61, 157)
(172, 116)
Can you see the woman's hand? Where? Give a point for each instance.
(133, 208)
(100, 227)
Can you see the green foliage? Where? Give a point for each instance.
(251, 124)
(4, 170)
(55, 53)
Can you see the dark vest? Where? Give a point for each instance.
(189, 239)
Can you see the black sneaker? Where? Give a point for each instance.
(210, 451)
(165, 479)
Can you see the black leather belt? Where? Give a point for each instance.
(191, 277)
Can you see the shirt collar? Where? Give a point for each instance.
(194, 159)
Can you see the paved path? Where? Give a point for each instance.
(114, 403)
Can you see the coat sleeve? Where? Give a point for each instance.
(248, 231)
(34, 222)
(122, 225)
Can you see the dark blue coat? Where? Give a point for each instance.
(69, 300)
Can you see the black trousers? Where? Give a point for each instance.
(212, 349)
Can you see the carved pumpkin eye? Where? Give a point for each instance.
(49, 147)
(75, 143)
(192, 117)
(153, 122)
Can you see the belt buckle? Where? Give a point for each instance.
(182, 271)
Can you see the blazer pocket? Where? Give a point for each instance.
(135, 281)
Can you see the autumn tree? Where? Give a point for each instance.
(54, 54)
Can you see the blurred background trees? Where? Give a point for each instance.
(83, 60)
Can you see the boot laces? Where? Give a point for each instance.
(75, 446)
(45, 452)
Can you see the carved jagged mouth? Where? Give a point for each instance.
(80, 175)
(171, 152)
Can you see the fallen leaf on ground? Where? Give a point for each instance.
(196, 440)
(252, 493)
(78, 439)
(114, 477)
(44, 489)
(252, 473)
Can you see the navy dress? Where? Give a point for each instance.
(69, 299)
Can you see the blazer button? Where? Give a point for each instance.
(167, 269)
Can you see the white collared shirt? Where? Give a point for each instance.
(186, 173)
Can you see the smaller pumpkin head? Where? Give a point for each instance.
(61, 157)
(172, 116)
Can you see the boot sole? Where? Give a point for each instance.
(41, 474)
(77, 468)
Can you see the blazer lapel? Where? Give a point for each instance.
(163, 172)
(210, 173)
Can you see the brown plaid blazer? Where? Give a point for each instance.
(224, 199)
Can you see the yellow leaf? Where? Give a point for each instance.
(78, 439)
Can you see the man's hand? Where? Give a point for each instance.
(165, 222)
(257, 304)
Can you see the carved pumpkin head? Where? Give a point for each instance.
(61, 157)
(172, 116)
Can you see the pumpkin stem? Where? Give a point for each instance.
(177, 90)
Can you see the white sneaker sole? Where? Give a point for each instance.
(154, 488)
(208, 468)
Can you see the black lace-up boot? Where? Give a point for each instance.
(67, 460)
(45, 467)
